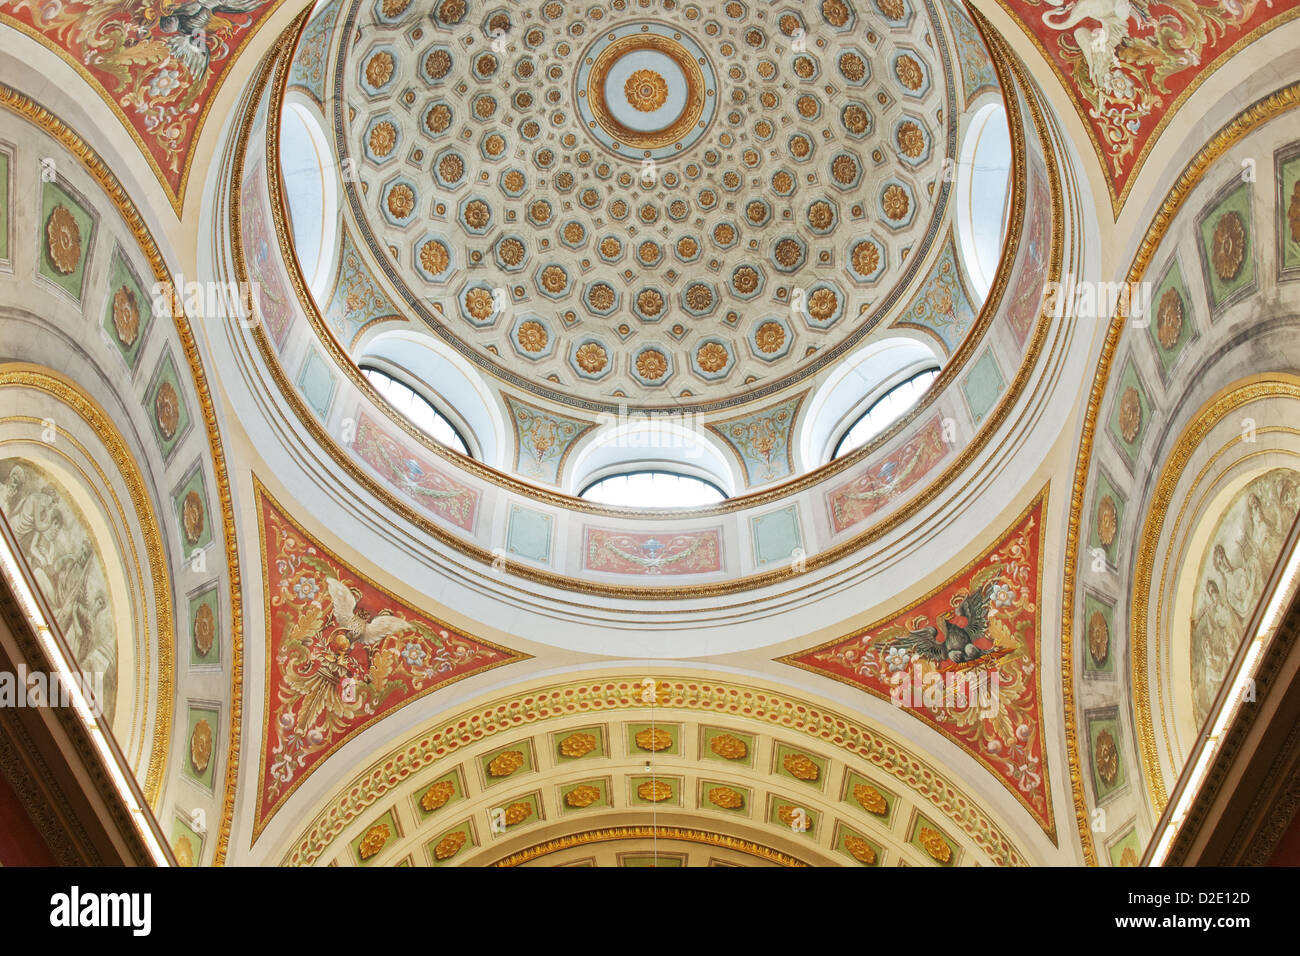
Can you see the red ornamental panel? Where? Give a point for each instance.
(342, 653)
(965, 660)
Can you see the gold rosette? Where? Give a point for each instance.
(437, 795)
(63, 240)
(518, 813)
(126, 316)
(727, 798)
(449, 845)
(656, 791)
(800, 766)
(374, 840)
(729, 747)
(192, 517)
(201, 746)
(1098, 638)
(1107, 756)
(795, 817)
(583, 795)
(653, 739)
(577, 745)
(860, 849)
(935, 844)
(205, 629)
(167, 410)
(870, 799)
(506, 763)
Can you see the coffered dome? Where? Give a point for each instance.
(692, 206)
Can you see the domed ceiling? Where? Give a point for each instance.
(692, 205)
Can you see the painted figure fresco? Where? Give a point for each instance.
(1239, 557)
(53, 536)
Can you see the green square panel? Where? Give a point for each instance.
(585, 795)
(6, 214)
(982, 386)
(654, 790)
(370, 843)
(450, 844)
(777, 537)
(581, 744)
(1130, 412)
(1105, 753)
(726, 797)
(439, 794)
(205, 627)
(508, 763)
(528, 534)
(858, 847)
(799, 818)
(727, 746)
(1098, 636)
(1171, 324)
(192, 513)
(201, 727)
(187, 842)
(869, 797)
(1105, 519)
(1227, 244)
(317, 383)
(67, 228)
(128, 312)
(1127, 850)
(168, 412)
(1288, 211)
(795, 764)
(648, 739)
(935, 845)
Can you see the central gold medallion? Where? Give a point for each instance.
(646, 90)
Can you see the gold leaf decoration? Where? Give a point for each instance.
(1098, 638)
(518, 813)
(651, 364)
(167, 410)
(729, 747)
(935, 844)
(374, 840)
(205, 628)
(532, 336)
(1169, 319)
(126, 316)
(183, 850)
(1229, 246)
(583, 795)
(770, 337)
(577, 745)
(379, 70)
(1107, 758)
(800, 766)
(1107, 521)
(192, 517)
(63, 240)
(727, 798)
(645, 90)
(437, 795)
(795, 817)
(201, 746)
(506, 763)
(656, 791)
(860, 849)
(870, 799)
(591, 357)
(1130, 414)
(653, 739)
(450, 845)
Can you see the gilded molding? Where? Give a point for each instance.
(1255, 115)
(689, 835)
(622, 693)
(50, 124)
(66, 392)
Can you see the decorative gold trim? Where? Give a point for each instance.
(69, 394)
(1228, 400)
(1255, 115)
(621, 692)
(54, 127)
(685, 834)
(1007, 66)
(695, 92)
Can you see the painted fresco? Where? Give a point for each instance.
(54, 536)
(1130, 64)
(263, 262)
(965, 660)
(341, 654)
(414, 474)
(620, 552)
(357, 302)
(308, 70)
(941, 308)
(543, 439)
(880, 484)
(1241, 552)
(977, 73)
(157, 65)
(761, 440)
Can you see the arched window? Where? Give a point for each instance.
(653, 489)
(984, 194)
(417, 409)
(884, 411)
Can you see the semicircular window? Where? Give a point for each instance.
(653, 489)
(417, 409)
(884, 411)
